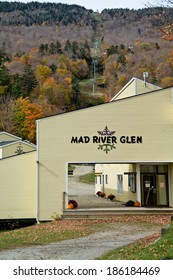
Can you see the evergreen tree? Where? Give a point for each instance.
(42, 49)
(17, 86)
(58, 47)
(52, 48)
(67, 46)
(29, 80)
(4, 76)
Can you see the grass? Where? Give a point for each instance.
(86, 87)
(43, 233)
(59, 230)
(87, 178)
(143, 250)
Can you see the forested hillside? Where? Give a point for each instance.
(56, 58)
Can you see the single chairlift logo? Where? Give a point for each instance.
(107, 135)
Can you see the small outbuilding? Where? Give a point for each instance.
(17, 178)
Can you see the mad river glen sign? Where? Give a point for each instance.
(106, 140)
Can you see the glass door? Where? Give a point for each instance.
(154, 189)
(149, 193)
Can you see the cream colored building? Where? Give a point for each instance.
(17, 178)
(136, 131)
(120, 179)
(116, 179)
(12, 145)
(129, 140)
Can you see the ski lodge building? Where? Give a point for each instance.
(130, 141)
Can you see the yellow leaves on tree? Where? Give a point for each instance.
(167, 32)
(79, 68)
(64, 85)
(167, 82)
(24, 59)
(43, 72)
(170, 59)
(25, 114)
(2, 90)
(47, 88)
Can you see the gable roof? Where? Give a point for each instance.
(9, 143)
(11, 139)
(135, 86)
(5, 143)
(9, 135)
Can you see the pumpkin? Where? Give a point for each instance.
(70, 206)
(137, 203)
(75, 204)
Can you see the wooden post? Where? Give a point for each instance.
(64, 200)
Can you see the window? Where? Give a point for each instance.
(132, 182)
(148, 168)
(119, 183)
(98, 179)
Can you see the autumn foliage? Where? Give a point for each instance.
(46, 69)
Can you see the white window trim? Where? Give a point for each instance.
(119, 193)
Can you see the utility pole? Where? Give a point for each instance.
(94, 63)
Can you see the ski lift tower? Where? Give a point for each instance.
(94, 63)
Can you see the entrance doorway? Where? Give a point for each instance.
(154, 189)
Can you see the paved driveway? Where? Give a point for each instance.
(86, 248)
(84, 194)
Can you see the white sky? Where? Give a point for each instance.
(101, 4)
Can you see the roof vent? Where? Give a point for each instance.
(145, 75)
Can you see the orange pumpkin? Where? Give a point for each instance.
(70, 206)
(137, 203)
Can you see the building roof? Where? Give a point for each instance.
(10, 135)
(4, 143)
(104, 104)
(12, 140)
(147, 87)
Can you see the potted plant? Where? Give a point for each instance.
(111, 196)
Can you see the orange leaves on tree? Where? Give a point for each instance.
(25, 114)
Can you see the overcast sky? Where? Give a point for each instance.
(102, 4)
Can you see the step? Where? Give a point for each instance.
(107, 212)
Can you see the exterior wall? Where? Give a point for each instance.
(134, 87)
(10, 150)
(18, 187)
(141, 88)
(148, 115)
(127, 91)
(110, 185)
